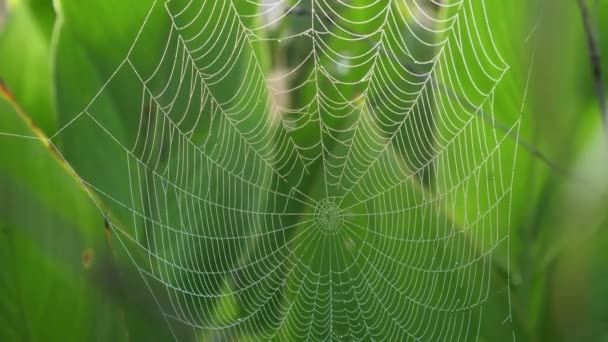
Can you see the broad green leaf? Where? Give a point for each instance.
(25, 50)
(575, 254)
(61, 279)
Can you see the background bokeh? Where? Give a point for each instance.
(64, 277)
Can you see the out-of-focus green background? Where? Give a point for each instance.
(64, 277)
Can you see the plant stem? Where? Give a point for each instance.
(594, 54)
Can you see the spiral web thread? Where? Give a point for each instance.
(218, 196)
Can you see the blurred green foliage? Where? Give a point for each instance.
(64, 276)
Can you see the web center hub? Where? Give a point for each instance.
(328, 216)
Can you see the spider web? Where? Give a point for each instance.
(313, 199)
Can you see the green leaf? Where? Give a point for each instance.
(25, 51)
(60, 279)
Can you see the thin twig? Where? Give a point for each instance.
(594, 54)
